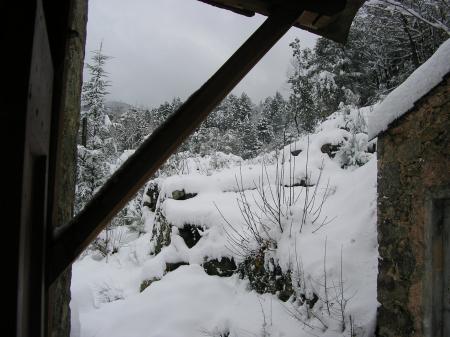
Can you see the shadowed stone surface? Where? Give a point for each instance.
(330, 149)
(190, 234)
(162, 228)
(182, 195)
(172, 266)
(295, 153)
(225, 267)
(152, 193)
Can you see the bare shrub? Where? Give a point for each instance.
(107, 292)
(109, 241)
(271, 209)
(329, 309)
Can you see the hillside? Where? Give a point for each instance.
(281, 245)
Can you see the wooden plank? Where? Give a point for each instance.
(71, 239)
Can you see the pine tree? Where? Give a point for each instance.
(278, 113)
(302, 104)
(275, 111)
(245, 108)
(250, 144)
(133, 126)
(160, 114)
(96, 155)
(93, 98)
(265, 131)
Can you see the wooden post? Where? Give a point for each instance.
(71, 239)
(31, 290)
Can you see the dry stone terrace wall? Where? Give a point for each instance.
(413, 161)
(262, 277)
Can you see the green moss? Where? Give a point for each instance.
(146, 283)
(266, 276)
(161, 232)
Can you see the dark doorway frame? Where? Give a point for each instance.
(436, 287)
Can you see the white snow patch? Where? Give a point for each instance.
(188, 302)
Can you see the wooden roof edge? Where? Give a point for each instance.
(339, 28)
(244, 12)
(331, 19)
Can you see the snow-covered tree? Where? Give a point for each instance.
(250, 144)
(302, 104)
(265, 131)
(160, 114)
(275, 111)
(388, 40)
(132, 127)
(98, 152)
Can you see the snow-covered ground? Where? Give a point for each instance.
(337, 211)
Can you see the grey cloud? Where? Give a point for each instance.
(167, 48)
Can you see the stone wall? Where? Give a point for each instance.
(413, 161)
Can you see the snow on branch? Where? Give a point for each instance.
(403, 98)
(392, 5)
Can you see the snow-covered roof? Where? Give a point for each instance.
(417, 85)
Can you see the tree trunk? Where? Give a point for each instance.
(412, 45)
(84, 132)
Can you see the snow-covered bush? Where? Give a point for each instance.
(354, 149)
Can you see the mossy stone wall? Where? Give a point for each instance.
(413, 159)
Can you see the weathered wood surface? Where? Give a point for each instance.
(68, 31)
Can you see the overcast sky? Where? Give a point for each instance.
(167, 48)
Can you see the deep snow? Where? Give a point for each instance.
(187, 302)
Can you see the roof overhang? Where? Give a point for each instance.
(328, 18)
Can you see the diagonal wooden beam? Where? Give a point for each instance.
(70, 240)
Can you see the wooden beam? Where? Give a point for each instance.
(71, 239)
(332, 18)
